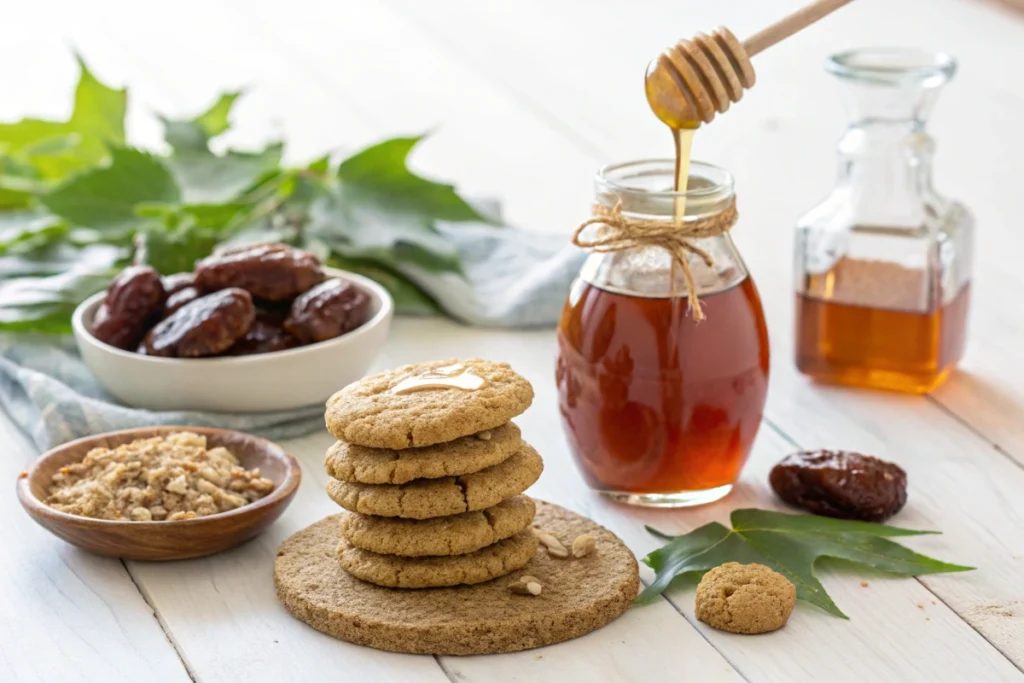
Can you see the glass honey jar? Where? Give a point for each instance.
(659, 408)
(883, 265)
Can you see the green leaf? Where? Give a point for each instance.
(15, 136)
(207, 178)
(173, 250)
(45, 304)
(381, 176)
(19, 181)
(99, 114)
(195, 134)
(96, 124)
(791, 545)
(216, 218)
(59, 257)
(105, 198)
(25, 231)
(40, 290)
(360, 229)
(320, 166)
(409, 299)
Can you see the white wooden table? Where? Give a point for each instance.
(529, 98)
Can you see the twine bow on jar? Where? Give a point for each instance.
(618, 232)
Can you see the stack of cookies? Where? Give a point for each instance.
(431, 471)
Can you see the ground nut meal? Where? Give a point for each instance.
(161, 478)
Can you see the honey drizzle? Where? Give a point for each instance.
(453, 376)
(684, 143)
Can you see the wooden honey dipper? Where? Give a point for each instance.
(691, 81)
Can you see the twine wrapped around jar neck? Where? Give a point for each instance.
(618, 232)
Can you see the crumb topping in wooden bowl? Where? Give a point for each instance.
(171, 477)
(205, 490)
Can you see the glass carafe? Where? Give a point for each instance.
(883, 265)
(660, 409)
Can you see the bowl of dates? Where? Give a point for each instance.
(251, 329)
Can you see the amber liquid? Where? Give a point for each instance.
(683, 138)
(653, 402)
(880, 348)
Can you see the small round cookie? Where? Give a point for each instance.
(745, 598)
(368, 413)
(455, 535)
(428, 498)
(482, 565)
(473, 453)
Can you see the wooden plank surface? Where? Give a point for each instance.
(530, 98)
(67, 615)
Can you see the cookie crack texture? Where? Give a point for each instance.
(462, 490)
(489, 517)
(392, 472)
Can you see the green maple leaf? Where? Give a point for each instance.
(196, 133)
(106, 198)
(381, 176)
(173, 250)
(25, 231)
(57, 148)
(208, 178)
(381, 211)
(40, 289)
(789, 544)
(357, 229)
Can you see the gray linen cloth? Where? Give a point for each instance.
(513, 279)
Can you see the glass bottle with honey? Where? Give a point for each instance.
(661, 408)
(883, 265)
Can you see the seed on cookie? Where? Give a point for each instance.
(583, 545)
(526, 585)
(484, 435)
(554, 546)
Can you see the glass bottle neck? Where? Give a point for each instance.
(885, 171)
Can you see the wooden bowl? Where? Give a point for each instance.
(177, 540)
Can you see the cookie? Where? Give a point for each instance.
(578, 596)
(428, 498)
(455, 535)
(482, 565)
(364, 465)
(369, 413)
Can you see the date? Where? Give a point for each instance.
(205, 327)
(134, 299)
(265, 336)
(274, 272)
(183, 296)
(841, 484)
(328, 310)
(177, 282)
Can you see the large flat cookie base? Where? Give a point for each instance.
(579, 595)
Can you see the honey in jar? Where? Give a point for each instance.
(659, 408)
(883, 265)
(864, 323)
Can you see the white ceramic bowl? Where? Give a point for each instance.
(259, 383)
